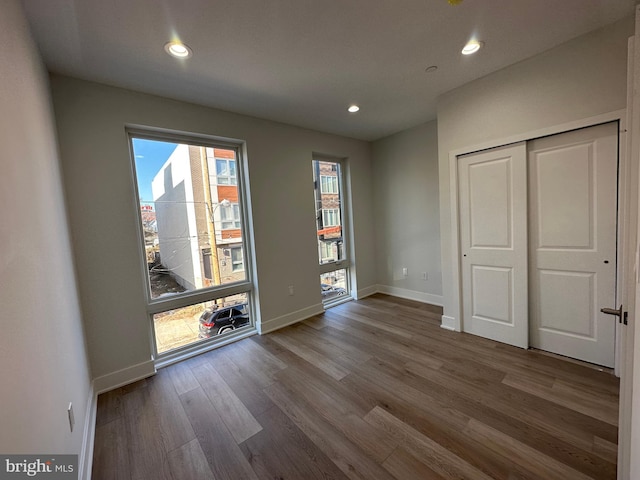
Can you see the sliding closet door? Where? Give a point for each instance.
(573, 190)
(493, 229)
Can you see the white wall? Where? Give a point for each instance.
(91, 121)
(582, 78)
(405, 167)
(43, 363)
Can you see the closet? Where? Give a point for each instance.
(538, 242)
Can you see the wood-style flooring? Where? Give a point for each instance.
(371, 389)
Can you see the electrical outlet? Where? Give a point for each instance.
(72, 419)
(425, 276)
(405, 271)
(291, 290)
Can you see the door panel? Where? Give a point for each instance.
(492, 289)
(565, 207)
(493, 229)
(557, 312)
(572, 198)
(490, 203)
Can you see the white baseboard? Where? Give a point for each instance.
(289, 319)
(367, 291)
(124, 377)
(411, 295)
(449, 323)
(85, 462)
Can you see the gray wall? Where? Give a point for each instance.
(43, 363)
(582, 78)
(407, 213)
(91, 121)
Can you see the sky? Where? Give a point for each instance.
(150, 155)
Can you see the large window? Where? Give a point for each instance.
(191, 200)
(329, 188)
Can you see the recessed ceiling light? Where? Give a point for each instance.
(178, 50)
(431, 69)
(353, 108)
(472, 47)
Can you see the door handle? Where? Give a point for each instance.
(622, 316)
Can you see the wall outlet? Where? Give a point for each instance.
(425, 276)
(405, 271)
(72, 419)
(291, 290)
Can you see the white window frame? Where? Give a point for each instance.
(333, 214)
(206, 294)
(235, 262)
(345, 195)
(232, 179)
(329, 181)
(235, 217)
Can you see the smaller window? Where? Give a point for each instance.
(230, 216)
(237, 260)
(225, 171)
(206, 263)
(331, 217)
(328, 184)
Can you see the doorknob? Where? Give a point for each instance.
(622, 316)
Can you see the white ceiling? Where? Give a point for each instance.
(303, 62)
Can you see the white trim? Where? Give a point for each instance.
(335, 301)
(449, 323)
(197, 348)
(411, 295)
(625, 209)
(289, 319)
(543, 132)
(125, 376)
(455, 309)
(85, 462)
(366, 292)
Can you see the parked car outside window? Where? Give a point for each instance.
(216, 321)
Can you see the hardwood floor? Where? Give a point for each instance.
(372, 389)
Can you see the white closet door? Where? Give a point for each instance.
(493, 229)
(573, 189)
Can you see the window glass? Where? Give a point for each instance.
(328, 197)
(237, 259)
(331, 217)
(175, 328)
(333, 285)
(185, 206)
(328, 184)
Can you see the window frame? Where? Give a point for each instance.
(236, 220)
(343, 213)
(334, 184)
(233, 179)
(234, 262)
(206, 294)
(335, 212)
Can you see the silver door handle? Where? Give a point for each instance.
(622, 316)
